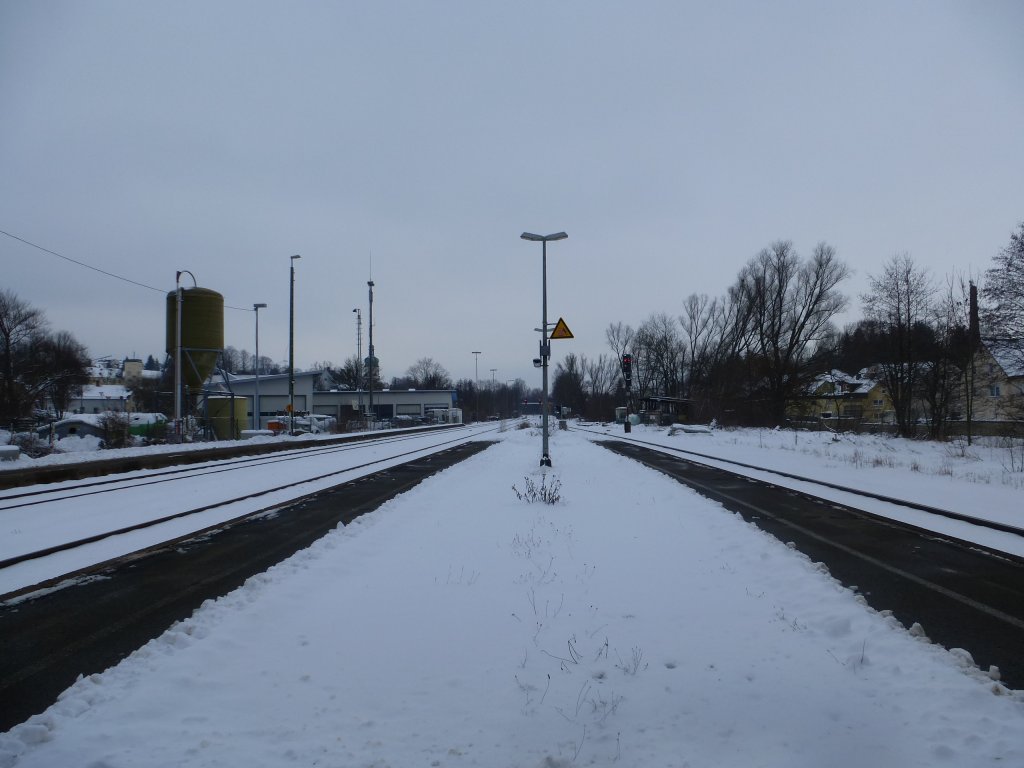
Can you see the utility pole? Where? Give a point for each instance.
(359, 355)
(371, 361)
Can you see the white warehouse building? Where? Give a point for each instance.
(343, 405)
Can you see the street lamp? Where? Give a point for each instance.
(178, 383)
(545, 347)
(476, 383)
(291, 349)
(256, 421)
(371, 361)
(492, 398)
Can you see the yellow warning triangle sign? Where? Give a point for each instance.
(561, 331)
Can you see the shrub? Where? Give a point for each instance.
(31, 445)
(115, 430)
(548, 494)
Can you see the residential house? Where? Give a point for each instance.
(101, 398)
(838, 399)
(999, 381)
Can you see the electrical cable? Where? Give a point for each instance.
(97, 269)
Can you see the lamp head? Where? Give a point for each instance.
(543, 238)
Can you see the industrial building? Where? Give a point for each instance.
(344, 405)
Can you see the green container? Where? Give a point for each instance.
(202, 332)
(227, 425)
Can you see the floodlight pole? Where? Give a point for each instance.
(370, 360)
(359, 355)
(178, 383)
(476, 383)
(545, 347)
(291, 348)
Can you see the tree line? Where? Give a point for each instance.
(741, 357)
(745, 356)
(36, 364)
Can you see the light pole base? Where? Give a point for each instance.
(545, 460)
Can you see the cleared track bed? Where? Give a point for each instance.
(964, 595)
(61, 528)
(50, 637)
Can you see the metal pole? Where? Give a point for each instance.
(476, 384)
(545, 347)
(257, 421)
(370, 359)
(291, 348)
(545, 458)
(359, 356)
(177, 358)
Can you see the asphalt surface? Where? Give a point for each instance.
(47, 641)
(963, 595)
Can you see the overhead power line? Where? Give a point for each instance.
(97, 269)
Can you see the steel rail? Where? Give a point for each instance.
(15, 477)
(188, 471)
(992, 524)
(428, 450)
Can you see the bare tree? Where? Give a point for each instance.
(791, 304)
(246, 361)
(425, 373)
(716, 335)
(601, 380)
(698, 322)
(567, 388)
(19, 324)
(64, 362)
(949, 370)
(901, 301)
(659, 355)
(600, 375)
(229, 360)
(620, 338)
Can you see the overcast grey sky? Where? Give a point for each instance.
(671, 140)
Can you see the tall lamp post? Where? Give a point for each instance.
(178, 383)
(476, 384)
(291, 349)
(492, 398)
(545, 347)
(371, 361)
(359, 355)
(257, 422)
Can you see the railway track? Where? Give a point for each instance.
(964, 595)
(91, 514)
(707, 460)
(22, 476)
(50, 637)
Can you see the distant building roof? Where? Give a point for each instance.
(1009, 353)
(105, 392)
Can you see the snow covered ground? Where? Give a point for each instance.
(984, 480)
(631, 623)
